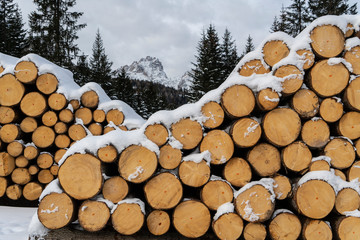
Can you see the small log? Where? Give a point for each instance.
(352, 56)
(357, 146)
(14, 192)
(31, 152)
(7, 115)
(9, 133)
(115, 189)
(45, 160)
(75, 104)
(194, 174)
(15, 148)
(3, 186)
(328, 80)
(255, 231)
(191, 219)
(84, 114)
(237, 171)
(56, 210)
(33, 104)
(285, 226)
(254, 66)
(265, 159)
(66, 115)
(307, 56)
(43, 137)
(26, 72)
(99, 116)
(80, 176)
(45, 176)
(313, 229)
(127, 218)
(7, 164)
(215, 193)
(347, 200)
(164, 191)
(292, 76)
(32, 191)
(76, 132)
(11, 90)
(340, 174)
(116, 116)
(352, 94)
(47, 83)
(108, 129)
(157, 133)
(320, 165)
(305, 103)
(158, 222)
(60, 128)
(54, 169)
(282, 187)
(20, 176)
(188, 132)
(274, 51)
(267, 99)
(315, 133)
(137, 163)
(214, 114)
(281, 126)
(93, 215)
(245, 132)
(49, 118)
(331, 109)
(107, 154)
(21, 161)
(349, 30)
(28, 125)
(33, 169)
(296, 156)
(327, 41)
(96, 129)
(62, 141)
(347, 228)
(219, 144)
(238, 101)
(349, 125)
(59, 154)
(341, 152)
(228, 226)
(170, 157)
(89, 99)
(1, 69)
(57, 101)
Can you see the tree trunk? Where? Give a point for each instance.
(315, 133)
(157, 133)
(194, 174)
(49, 118)
(99, 116)
(267, 99)
(352, 56)
(341, 152)
(296, 157)
(93, 215)
(62, 141)
(285, 226)
(305, 103)
(14, 192)
(31, 152)
(21, 161)
(20, 176)
(11, 90)
(45, 160)
(331, 109)
(60, 128)
(316, 230)
(15, 148)
(57, 101)
(274, 51)
(348, 228)
(26, 72)
(7, 115)
(43, 137)
(33, 104)
(170, 157)
(28, 125)
(347, 200)
(7, 164)
(349, 125)
(84, 114)
(292, 76)
(3, 186)
(45, 176)
(66, 115)
(47, 83)
(352, 94)
(282, 187)
(76, 132)
(245, 132)
(307, 56)
(327, 41)
(254, 66)
(107, 154)
(9, 133)
(96, 129)
(255, 231)
(116, 116)
(32, 191)
(128, 218)
(89, 99)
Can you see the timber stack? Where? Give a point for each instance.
(271, 154)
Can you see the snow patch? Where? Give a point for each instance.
(139, 170)
(224, 209)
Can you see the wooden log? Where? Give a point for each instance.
(331, 109)
(340, 174)
(357, 146)
(255, 231)
(352, 95)
(66, 115)
(93, 215)
(49, 118)
(254, 66)
(349, 125)
(349, 30)
(315, 133)
(347, 200)
(7, 115)
(99, 115)
(267, 99)
(59, 154)
(158, 222)
(33, 169)
(327, 80)
(15, 148)
(56, 210)
(54, 169)
(137, 163)
(21, 161)
(265, 159)
(60, 128)
(281, 126)
(43, 137)
(76, 132)
(75, 104)
(31, 152)
(170, 157)
(191, 219)
(45, 160)
(116, 116)
(11, 90)
(164, 191)
(292, 76)
(9, 133)
(228, 226)
(57, 101)
(237, 171)
(319, 165)
(327, 41)
(157, 133)
(282, 187)
(28, 125)
(45, 176)
(32, 191)
(3, 186)
(274, 51)
(238, 101)
(107, 154)
(14, 192)
(347, 228)
(341, 152)
(307, 56)
(194, 174)
(7, 164)
(188, 132)
(127, 218)
(1, 69)
(352, 56)
(33, 104)
(47, 83)
(214, 114)
(26, 72)
(296, 156)
(245, 132)
(316, 230)
(305, 103)
(89, 99)
(285, 226)
(84, 114)
(219, 144)
(96, 129)
(80, 176)
(62, 141)
(108, 129)
(20, 176)
(115, 189)
(215, 193)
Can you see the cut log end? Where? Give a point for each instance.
(255, 66)
(90, 99)
(158, 222)
(238, 101)
(214, 114)
(228, 226)
(115, 189)
(194, 174)
(127, 219)
(157, 133)
(93, 215)
(11, 90)
(170, 157)
(188, 132)
(47, 83)
(26, 72)
(237, 171)
(274, 51)
(327, 41)
(215, 193)
(245, 132)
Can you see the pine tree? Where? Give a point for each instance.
(123, 88)
(249, 46)
(53, 30)
(296, 17)
(280, 24)
(229, 56)
(12, 32)
(82, 70)
(318, 8)
(100, 65)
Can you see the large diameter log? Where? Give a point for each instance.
(89, 99)
(219, 144)
(331, 109)
(7, 164)
(238, 101)
(237, 171)
(352, 56)
(14, 192)
(28, 125)
(194, 174)
(255, 231)
(255, 66)
(215, 193)
(137, 163)
(57, 101)
(157, 133)
(47, 83)
(128, 218)
(296, 156)
(245, 132)
(26, 72)
(305, 103)
(281, 126)
(76, 132)
(274, 51)
(188, 132)
(265, 159)
(15, 148)
(316, 230)
(43, 137)
(307, 56)
(11, 90)
(214, 114)
(328, 79)
(267, 99)
(191, 219)
(347, 228)
(93, 215)
(33, 104)
(9, 133)
(116, 116)
(163, 191)
(56, 210)
(292, 78)
(282, 187)
(107, 154)
(315, 133)
(347, 200)
(327, 41)
(7, 115)
(32, 191)
(20, 176)
(115, 189)
(341, 152)
(3, 186)
(228, 226)
(84, 114)
(170, 157)
(80, 176)
(158, 222)
(285, 226)
(352, 94)
(349, 125)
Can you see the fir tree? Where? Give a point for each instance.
(280, 24)
(82, 70)
(123, 89)
(318, 8)
(249, 46)
(229, 56)
(53, 31)
(296, 17)
(12, 32)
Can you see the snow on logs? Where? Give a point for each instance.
(281, 132)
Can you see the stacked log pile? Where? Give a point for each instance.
(271, 154)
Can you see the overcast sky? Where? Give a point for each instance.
(167, 29)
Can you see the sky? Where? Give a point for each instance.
(167, 29)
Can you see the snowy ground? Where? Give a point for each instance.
(14, 222)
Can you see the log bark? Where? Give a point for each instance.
(93, 215)
(306, 103)
(11, 90)
(14, 192)
(315, 133)
(214, 114)
(45, 160)
(255, 66)
(45, 176)
(28, 125)
(7, 164)
(128, 218)
(194, 174)
(349, 125)
(327, 41)
(316, 230)
(307, 56)
(15, 148)
(170, 157)
(296, 157)
(341, 152)
(352, 94)
(57, 101)
(158, 222)
(347, 200)
(115, 189)
(265, 159)
(238, 101)
(32, 191)
(228, 226)
(43, 137)
(245, 132)
(107, 154)
(157, 133)
(90, 99)
(49, 118)
(188, 132)
(215, 193)
(26, 72)
(331, 110)
(255, 231)
(285, 226)
(292, 76)
(20, 176)
(7, 115)
(9, 133)
(33, 104)
(47, 83)
(274, 51)
(237, 171)
(267, 99)
(116, 116)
